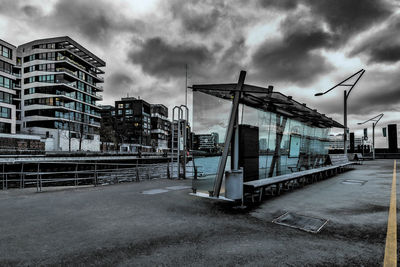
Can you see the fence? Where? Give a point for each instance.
(42, 174)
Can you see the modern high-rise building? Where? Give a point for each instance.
(59, 90)
(9, 99)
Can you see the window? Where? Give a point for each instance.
(129, 112)
(81, 86)
(5, 52)
(5, 98)
(120, 105)
(119, 111)
(5, 127)
(5, 67)
(5, 82)
(5, 113)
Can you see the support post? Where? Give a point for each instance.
(228, 136)
(345, 123)
(373, 141)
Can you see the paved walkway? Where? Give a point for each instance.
(126, 225)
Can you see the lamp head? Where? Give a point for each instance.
(318, 94)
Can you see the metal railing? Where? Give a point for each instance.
(39, 174)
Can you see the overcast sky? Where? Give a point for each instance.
(301, 47)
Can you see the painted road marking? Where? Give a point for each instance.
(391, 235)
(164, 190)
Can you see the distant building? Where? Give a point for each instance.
(133, 123)
(160, 127)
(336, 142)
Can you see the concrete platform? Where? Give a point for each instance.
(119, 225)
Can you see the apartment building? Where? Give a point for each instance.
(133, 123)
(9, 98)
(60, 86)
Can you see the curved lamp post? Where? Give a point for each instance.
(375, 121)
(346, 95)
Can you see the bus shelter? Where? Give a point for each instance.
(261, 133)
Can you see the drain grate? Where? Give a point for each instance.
(302, 222)
(352, 181)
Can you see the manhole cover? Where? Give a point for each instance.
(305, 223)
(351, 181)
(154, 191)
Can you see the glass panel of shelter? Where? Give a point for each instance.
(300, 145)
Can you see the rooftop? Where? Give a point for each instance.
(267, 100)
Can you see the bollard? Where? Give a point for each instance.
(76, 174)
(194, 182)
(37, 178)
(137, 174)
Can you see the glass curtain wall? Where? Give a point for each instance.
(285, 145)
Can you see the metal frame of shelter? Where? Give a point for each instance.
(260, 98)
(182, 116)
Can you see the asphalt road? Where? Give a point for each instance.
(118, 225)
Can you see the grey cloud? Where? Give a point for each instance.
(346, 17)
(161, 59)
(293, 59)
(279, 4)
(119, 84)
(376, 92)
(382, 46)
(95, 20)
(31, 11)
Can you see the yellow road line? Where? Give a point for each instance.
(391, 235)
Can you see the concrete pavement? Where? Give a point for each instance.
(119, 225)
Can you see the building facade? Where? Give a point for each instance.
(133, 122)
(9, 88)
(160, 127)
(59, 90)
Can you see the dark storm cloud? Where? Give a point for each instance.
(293, 58)
(376, 92)
(197, 16)
(346, 17)
(31, 11)
(96, 20)
(119, 83)
(279, 4)
(194, 21)
(382, 46)
(161, 59)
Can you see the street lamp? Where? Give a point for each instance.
(374, 123)
(346, 95)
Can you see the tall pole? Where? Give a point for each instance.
(345, 124)
(373, 140)
(186, 72)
